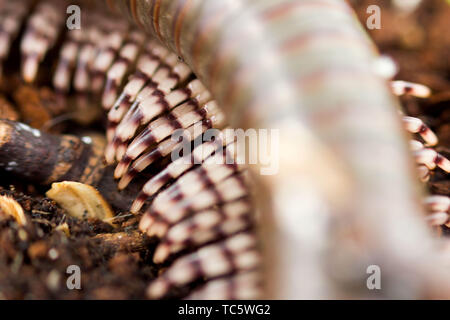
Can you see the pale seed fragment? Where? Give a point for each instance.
(11, 207)
(80, 200)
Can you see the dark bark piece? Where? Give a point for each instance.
(43, 158)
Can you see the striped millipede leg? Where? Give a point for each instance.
(100, 50)
(415, 125)
(162, 150)
(225, 229)
(219, 259)
(437, 206)
(213, 170)
(171, 74)
(127, 56)
(422, 170)
(103, 38)
(438, 209)
(230, 189)
(163, 127)
(86, 58)
(423, 173)
(147, 64)
(225, 160)
(437, 203)
(43, 28)
(150, 103)
(400, 88)
(180, 166)
(428, 158)
(78, 54)
(431, 159)
(153, 92)
(197, 180)
(109, 49)
(149, 108)
(205, 226)
(67, 61)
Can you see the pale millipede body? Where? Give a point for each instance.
(267, 75)
(346, 178)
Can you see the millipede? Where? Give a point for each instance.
(348, 192)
